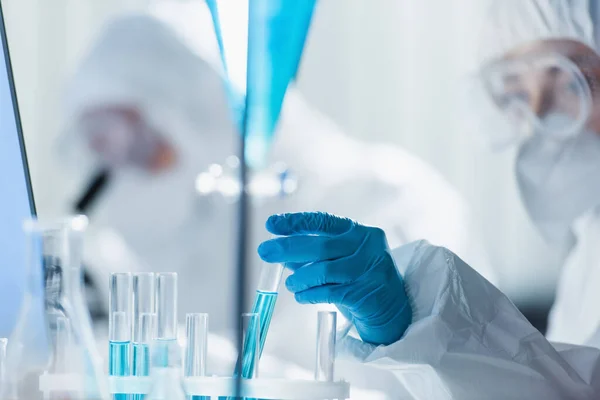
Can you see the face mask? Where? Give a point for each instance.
(559, 180)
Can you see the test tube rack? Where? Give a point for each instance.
(262, 388)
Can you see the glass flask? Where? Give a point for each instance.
(52, 353)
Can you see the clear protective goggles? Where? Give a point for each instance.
(547, 94)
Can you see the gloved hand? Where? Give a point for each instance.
(336, 260)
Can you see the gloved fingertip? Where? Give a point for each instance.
(265, 250)
(289, 284)
(301, 298)
(272, 223)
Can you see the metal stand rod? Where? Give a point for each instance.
(242, 242)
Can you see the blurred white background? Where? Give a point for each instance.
(385, 70)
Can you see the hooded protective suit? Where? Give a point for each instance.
(166, 67)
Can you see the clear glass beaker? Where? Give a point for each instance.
(52, 353)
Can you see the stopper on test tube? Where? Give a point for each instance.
(326, 330)
(197, 344)
(144, 307)
(166, 298)
(119, 303)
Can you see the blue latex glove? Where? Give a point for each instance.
(336, 260)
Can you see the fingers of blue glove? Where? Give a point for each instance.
(293, 266)
(306, 248)
(308, 223)
(332, 294)
(321, 273)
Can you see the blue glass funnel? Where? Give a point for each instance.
(261, 44)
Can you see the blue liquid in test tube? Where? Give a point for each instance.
(119, 329)
(266, 297)
(264, 306)
(166, 353)
(144, 325)
(141, 361)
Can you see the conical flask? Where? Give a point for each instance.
(52, 353)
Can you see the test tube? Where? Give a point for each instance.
(144, 324)
(270, 278)
(325, 360)
(250, 346)
(197, 344)
(144, 307)
(119, 327)
(247, 364)
(166, 308)
(166, 297)
(119, 303)
(266, 298)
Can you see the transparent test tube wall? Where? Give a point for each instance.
(144, 325)
(119, 327)
(326, 340)
(256, 324)
(197, 348)
(166, 308)
(266, 298)
(247, 367)
(166, 354)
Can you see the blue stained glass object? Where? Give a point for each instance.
(277, 31)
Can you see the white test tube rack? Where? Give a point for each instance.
(322, 388)
(262, 388)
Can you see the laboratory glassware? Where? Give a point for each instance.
(270, 41)
(248, 361)
(263, 308)
(251, 331)
(166, 353)
(266, 297)
(197, 347)
(119, 327)
(52, 352)
(166, 308)
(325, 358)
(144, 324)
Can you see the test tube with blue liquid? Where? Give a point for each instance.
(197, 346)
(166, 353)
(266, 297)
(263, 308)
(119, 328)
(144, 324)
(247, 368)
(166, 306)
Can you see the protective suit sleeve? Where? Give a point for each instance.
(468, 341)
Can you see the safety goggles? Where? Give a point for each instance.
(546, 94)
